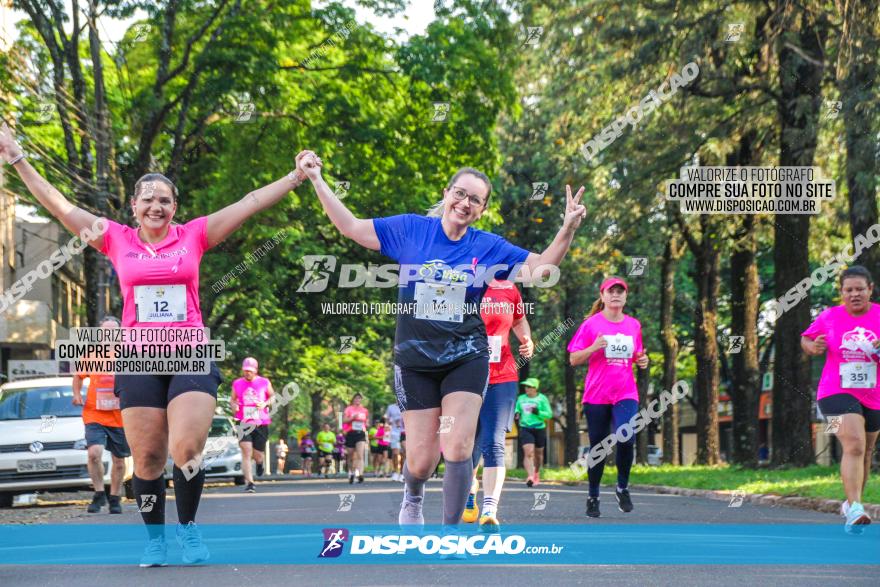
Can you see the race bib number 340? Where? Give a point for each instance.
(858, 375)
(620, 346)
(160, 303)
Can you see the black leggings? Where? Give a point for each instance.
(599, 420)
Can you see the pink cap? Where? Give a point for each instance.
(249, 364)
(611, 282)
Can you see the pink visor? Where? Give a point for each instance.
(611, 282)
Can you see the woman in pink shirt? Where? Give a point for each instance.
(848, 394)
(354, 425)
(158, 269)
(610, 341)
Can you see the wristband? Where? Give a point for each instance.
(296, 176)
(17, 159)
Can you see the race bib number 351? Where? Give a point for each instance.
(160, 303)
(858, 375)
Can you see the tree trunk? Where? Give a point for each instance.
(706, 348)
(315, 416)
(745, 376)
(642, 381)
(798, 107)
(669, 344)
(572, 390)
(857, 83)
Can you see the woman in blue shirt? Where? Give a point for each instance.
(441, 351)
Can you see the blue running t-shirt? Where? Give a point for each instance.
(441, 286)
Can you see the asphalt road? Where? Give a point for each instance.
(317, 502)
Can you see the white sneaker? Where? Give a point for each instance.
(411, 513)
(856, 518)
(844, 508)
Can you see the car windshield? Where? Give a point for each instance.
(220, 427)
(34, 402)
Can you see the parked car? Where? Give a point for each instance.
(42, 440)
(221, 456)
(655, 455)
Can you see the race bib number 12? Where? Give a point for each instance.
(160, 303)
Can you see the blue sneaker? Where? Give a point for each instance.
(190, 539)
(156, 553)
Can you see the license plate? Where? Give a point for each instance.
(34, 465)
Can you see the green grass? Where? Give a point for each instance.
(814, 481)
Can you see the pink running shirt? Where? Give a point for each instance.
(247, 394)
(609, 380)
(850, 340)
(360, 415)
(173, 261)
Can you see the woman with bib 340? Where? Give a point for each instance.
(611, 342)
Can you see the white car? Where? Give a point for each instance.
(222, 454)
(655, 455)
(42, 439)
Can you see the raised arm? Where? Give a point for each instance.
(74, 219)
(226, 221)
(360, 230)
(553, 254)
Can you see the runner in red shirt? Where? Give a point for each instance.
(502, 311)
(103, 422)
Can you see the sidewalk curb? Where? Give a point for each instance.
(831, 506)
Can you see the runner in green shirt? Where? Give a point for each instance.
(532, 408)
(326, 440)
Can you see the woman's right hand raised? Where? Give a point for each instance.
(309, 164)
(9, 148)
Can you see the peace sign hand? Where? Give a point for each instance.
(575, 211)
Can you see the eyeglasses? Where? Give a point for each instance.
(459, 195)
